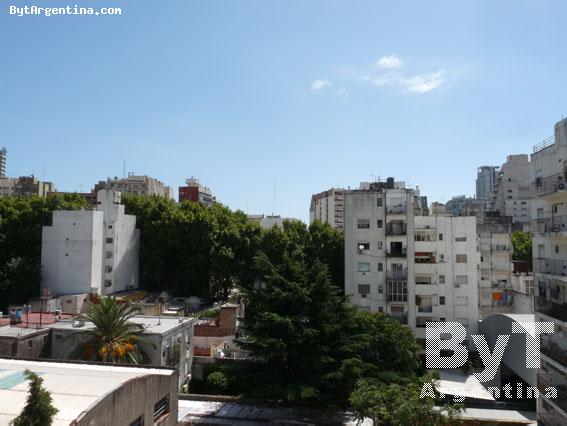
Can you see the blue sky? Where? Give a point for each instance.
(309, 94)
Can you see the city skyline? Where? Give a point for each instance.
(244, 95)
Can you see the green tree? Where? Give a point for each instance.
(522, 243)
(39, 410)
(115, 338)
(401, 404)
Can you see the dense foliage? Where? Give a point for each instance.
(114, 338)
(39, 410)
(21, 222)
(522, 243)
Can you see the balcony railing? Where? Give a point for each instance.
(550, 225)
(549, 185)
(544, 144)
(554, 351)
(551, 309)
(397, 253)
(396, 209)
(396, 228)
(397, 275)
(402, 318)
(545, 265)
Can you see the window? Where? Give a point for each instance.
(380, 309)
(363, 267)
(460, 239)
(441, 258)
(108, 283)
(30, 344)
(109, 226)
(422, 279)
(379, 245)
(108, 255)
(380, 267)
(161, 408)
(461, 280)
(420, 322)
(138, 422)
(441, 300)
(462, 301)
(461, 258)
(397, 291)
(109, 240)
(363, 246)
(364, 289)
(424, 304)
(441, 279)
(424, 235)
(379, 223)
(440, 237)
(363, 224)
(108, 269)
(379, 202)
(380, 289)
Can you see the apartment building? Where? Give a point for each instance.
(495, 289)
(328, 207)
(196, 193)
(414, 268)
(91, 251)
(512, 190)
(3, 156)
(549, 213)
(24, 186)
(485, 180)
(134, 184)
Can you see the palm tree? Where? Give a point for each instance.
(115, 338)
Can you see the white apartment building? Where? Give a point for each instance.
(414, 268)
(512, 190)
(3, 155)
(91, 251)
(328, 207)
(549, 213)
(495, 291)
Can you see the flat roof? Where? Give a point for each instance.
(9, 331)
(152, 324)
(74, 387)
(499, 416)
(456, 383)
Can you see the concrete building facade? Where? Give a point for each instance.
(25, 186)
(134, 184)
(328, 207)
(3, 160)
(414, 268)
(94, 251)
(549, 214)
(512, 190)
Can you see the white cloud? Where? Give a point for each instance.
(318, 85)
(389, 62)
(425, 83)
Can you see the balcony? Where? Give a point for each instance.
(396, 209)
(397, 253)
(554, 351)
(396, 228)
(402, 318)
(544, 265)
(425, 257)
(551, 309)
(550, 225)
(397, 275)
(549, 185)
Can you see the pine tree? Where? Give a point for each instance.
(39, 410)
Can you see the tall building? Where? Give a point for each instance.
(328, 207)
(512, 189)
(549, 226)
(195, 192)
(91, 251)
(3, 153)
(485, 179)
(24, 186)
(414, 268)
(133, 184)
(496, 269)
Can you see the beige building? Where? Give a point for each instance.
(133, 184)
(328, 207)
(24, 186)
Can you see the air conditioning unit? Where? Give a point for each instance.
(560, 186)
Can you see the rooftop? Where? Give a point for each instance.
(152, 324)
(9, 331)
(75, 388)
